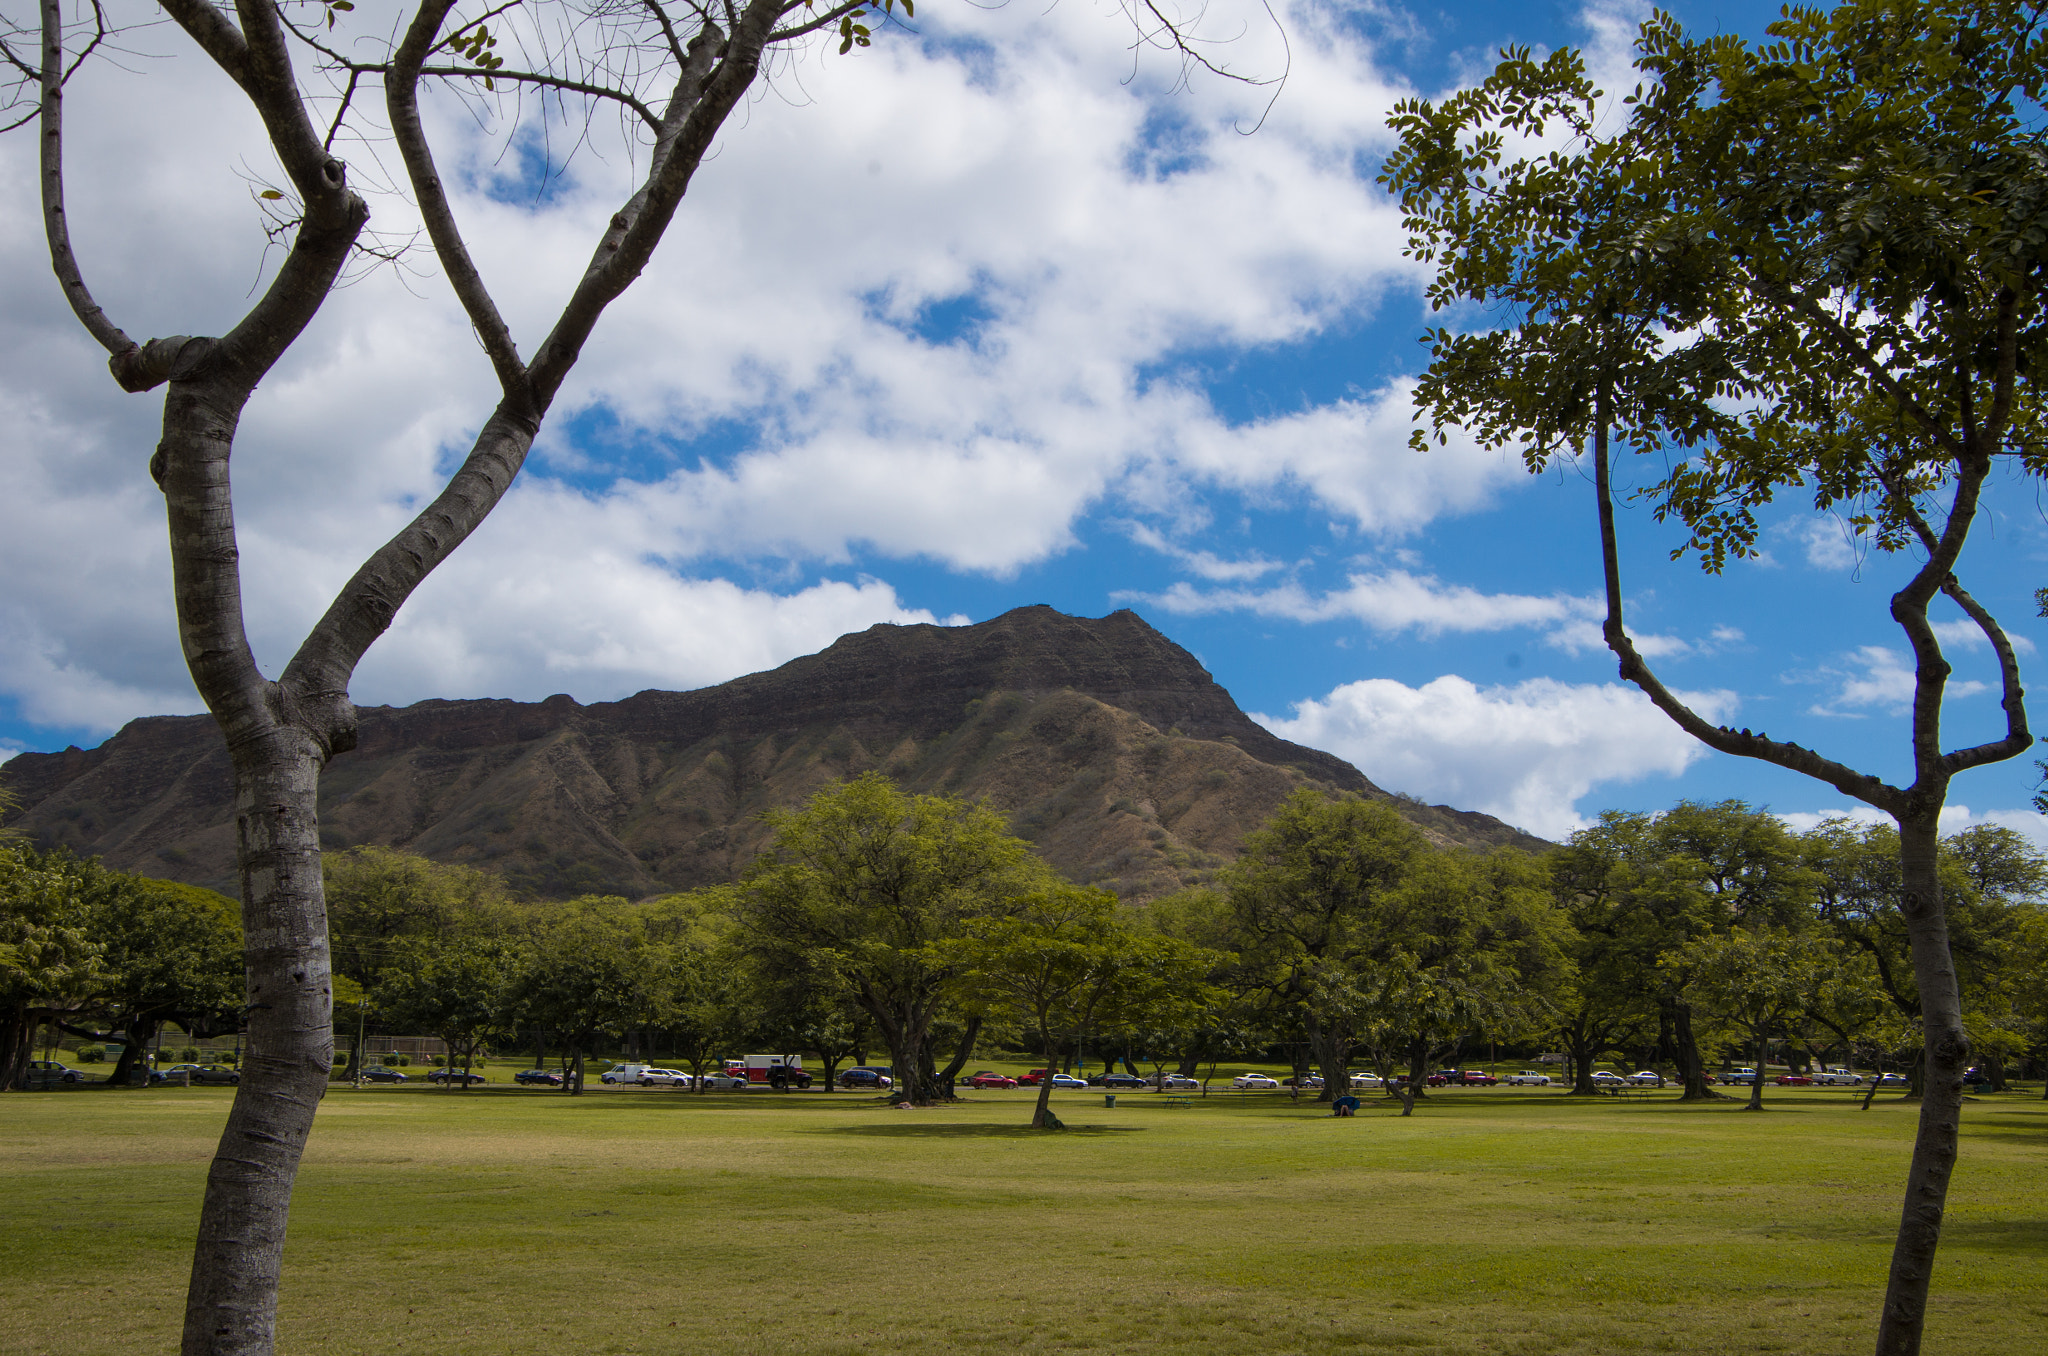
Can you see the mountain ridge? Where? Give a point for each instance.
(1108, 745)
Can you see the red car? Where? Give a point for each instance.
(1793, 1081)
(1479, 1078)
(1033, 1078)
(989, 1078)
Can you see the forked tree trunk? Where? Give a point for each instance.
(1941, 1097)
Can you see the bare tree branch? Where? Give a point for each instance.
(56, 227)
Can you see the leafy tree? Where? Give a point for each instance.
(878, 885)
(1308, 898)
(1066, 959)
(590, 969)
(1988, 874)
(1758, 979)
(1475, 943)
(52, 965)
(459, 988)
(170, 953)
(1813, 264)
(1640, 887)
(380, 896)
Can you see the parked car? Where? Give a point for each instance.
(1739, 1078)
(855, 1078)
(1976, 1078)
(50, 1071)
(1792, 1080)
(1307, 1081)
(544, 1077)
(47, 1073)
(1362, 1079)
(726, 1078)
(1252, 1080)
(1647, 1078)
(1030, 1078)
(1527, 1078)
(1118, 1080)
(1167, 1082)
(1602, 1078)
(456, 1076)
(1060, 1080)
(217, 1073)
(1478, 1078)
(1838, 1078)
(989, 1078)
(376, 1073)
(1892, 1080)
(650, 1076)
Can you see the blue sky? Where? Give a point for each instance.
(974, 319)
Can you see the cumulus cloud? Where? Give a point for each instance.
(1527, 753)
(1398, 601)
(777, 388)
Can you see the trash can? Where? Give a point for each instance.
(1109, 1099)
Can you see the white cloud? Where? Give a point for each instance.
(1827, 542)
(1005, 163)
(1526, 753)
(1967, 635)
(1398, 602)
(1882, 678)
(1204, 564)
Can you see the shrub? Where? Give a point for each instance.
(390, 1059)
(438, 1061)
(92, 1054)
(188, 1055)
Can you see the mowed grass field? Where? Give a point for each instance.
(651, 1221)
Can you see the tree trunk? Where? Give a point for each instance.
(17, 1046)
(1756, 1084)
(1692, 1069)
(1582, 1046)
(134, 1053)
(231, 1305)
(1043, 1109)
(1333, 1052)
(1947, 1054)
(951, 1076)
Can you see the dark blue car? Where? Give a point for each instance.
(865, 1078)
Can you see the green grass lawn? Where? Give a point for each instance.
(631, 1220)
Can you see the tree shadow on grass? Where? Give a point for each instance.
(2028, 1236)
(955, 1130)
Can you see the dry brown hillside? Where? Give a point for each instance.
(1108, 746)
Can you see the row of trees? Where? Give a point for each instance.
(919, 925)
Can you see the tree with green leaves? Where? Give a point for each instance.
(589, 969)
(1759, 980)
(880, 885)
(170, 953)
(52, 966)
(461, 988)
(1067, 959)
(1813, 264)
(1308, 896)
